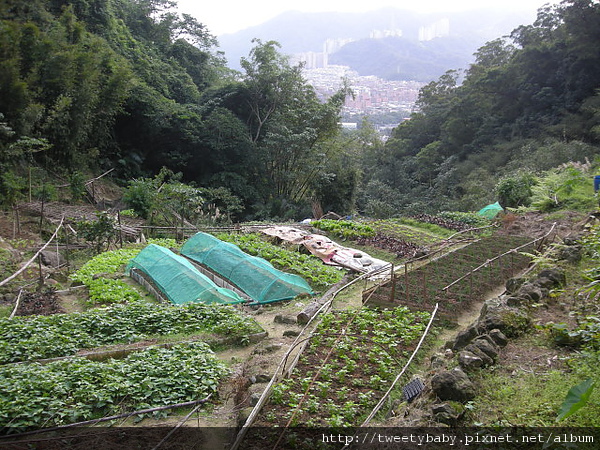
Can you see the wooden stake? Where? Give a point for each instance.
(67, 257)
(40, 269)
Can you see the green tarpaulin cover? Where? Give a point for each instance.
(254, 276)
(178, 279)
(491, 211)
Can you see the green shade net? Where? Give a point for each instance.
(178, 279)
(490, 211)
(254, 276)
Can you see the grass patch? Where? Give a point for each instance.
(411, 230)
(5, 310)
(530, 399)
(428, 227)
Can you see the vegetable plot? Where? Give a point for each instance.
(342, 374)
(470, 271)
(75, 390)
(411, 230)
(25, 339)
(344, 229)
(103, 290)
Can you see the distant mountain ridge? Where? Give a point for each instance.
(390, 57)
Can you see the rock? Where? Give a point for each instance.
(544, 283)
(291, 333)
(285, 319)
(437, 361)
(492, 318)
(510, 321)
(514, 284)
(498, 337)
(571, 254)
(52, 258)
(556, 275)
(487, 348)
(531, 291)
(272, 348)
(489, 339)
(464, 338)
(445, 413)
(453, 385)
(516, 302)
(487, 360)
(254, 398)
(469, 361)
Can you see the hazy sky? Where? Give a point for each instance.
(228, 16)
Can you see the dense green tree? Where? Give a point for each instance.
(527, 102)
(289, 127)
(515, 190)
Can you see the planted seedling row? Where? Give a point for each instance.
(423, 287)
(350, 360)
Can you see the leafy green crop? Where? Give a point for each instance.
(77, 389)
(308, 267)
(470, 218)
(345, 229)
(364, 360)
(35, 337)
(94, 273)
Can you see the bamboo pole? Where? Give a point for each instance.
(18, 272)
(16, 304)
(181, 422)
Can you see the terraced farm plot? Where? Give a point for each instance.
(395, 229)
(350, 361)
(470, 272)
(77, 389)
(37, 337)
(402, 240)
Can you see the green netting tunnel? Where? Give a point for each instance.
(490, 211)
(254, 276)
(178, 279)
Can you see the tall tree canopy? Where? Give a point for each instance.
(533, 90)
(134, 85)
